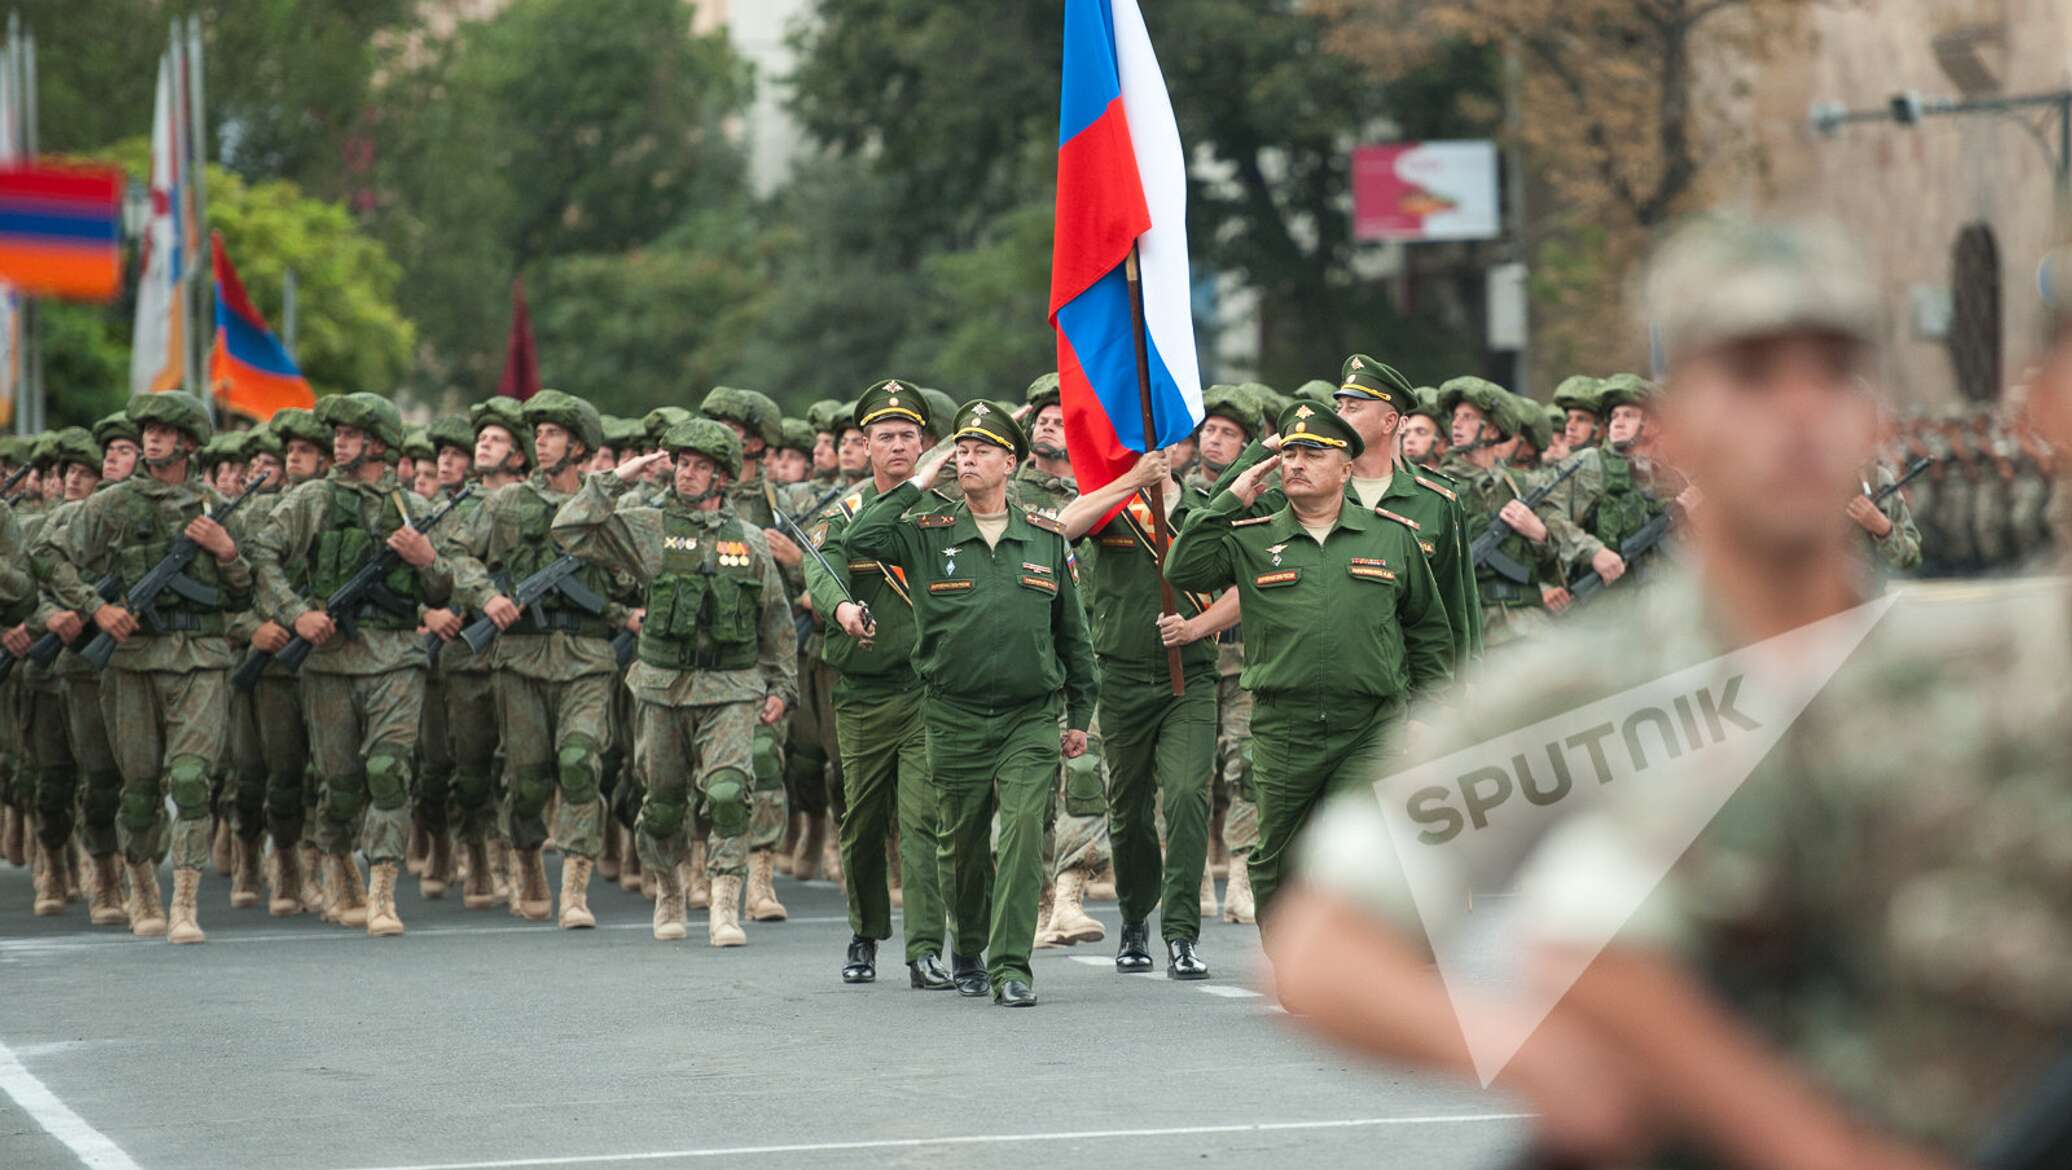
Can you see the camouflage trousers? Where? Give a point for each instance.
(554, 736)
(813, 753)
(10, 738)
(1505, 624)
(471, 742)
(431, 795)
(49, 777)
(284, 750)
(169, 738)
(1079, 831)
(623, 786)
(363, 737)
(1233, 792)
(244, 792)
(101, 792)
(698, 762)
(768, 809)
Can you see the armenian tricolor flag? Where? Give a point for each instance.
(59, 230)
(249, 371)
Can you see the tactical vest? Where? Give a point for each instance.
(1487, 493)
(704, 608)
(525, 525)
(1623, 509)
(342, 546)
(145, 540)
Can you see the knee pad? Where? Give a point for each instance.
(187, 779)
(726, 802)
(661, 817)
(344, 796)
(530, 788)
(626, 800)
(140, 808)
(471, 789)
(1085, 794)
(103, 798)
(768, 759)
(806, 766)
(388, 781)
(578, 760)
(55, 788)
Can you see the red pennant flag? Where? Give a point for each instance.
(521, 378)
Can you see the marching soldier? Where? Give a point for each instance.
(985, 572)
(165, 695)
(553, 659)
(717, 658)
(821, 416)
(363, 684)
(1424, 431)
(1344, 620)
(879, 727)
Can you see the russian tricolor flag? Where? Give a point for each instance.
(249, 371)
(1122, 181)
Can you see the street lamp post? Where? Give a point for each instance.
(1908, 109)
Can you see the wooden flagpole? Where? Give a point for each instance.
(1159, 538)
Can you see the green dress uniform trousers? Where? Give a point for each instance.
(983, 759)
(884, 746)
(1161, 750)
(1302, 752)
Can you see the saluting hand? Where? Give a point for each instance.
(1247, 487)
(634, 468)
(1073, 744)
(931, 466)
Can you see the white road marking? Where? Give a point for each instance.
(90, 1144)
(1228, 992)
(987, 1139)
(1092, 960)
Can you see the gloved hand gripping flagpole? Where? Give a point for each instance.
(1156, 498)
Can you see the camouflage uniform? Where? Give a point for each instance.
(1900, 549)
(715, 642)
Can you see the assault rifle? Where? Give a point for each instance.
(1484, 551)
(169, 574)
(362, 591)
(557, 577)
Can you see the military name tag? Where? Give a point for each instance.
(960, 585)
(1118, 542)
(1043, 583)
(863, 566)
(1377, 562)
(1251, 520)
(1284, 577)
(1371, 573)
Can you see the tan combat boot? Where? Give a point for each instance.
(348, 892)
(805, 858)
(105, 908)
(794, 828)
(312, 861)
(419, 851)
(284, 879)
(1069, 921)
(608, 857)
(147, 914)
(438, 868)
(723, 919)
(479, 891)
(49, 886)
(500, 867)
(1046, 903)
(219, 846)
(11, 836)
(831, 854)
(1237, 897)
(633, 876)
(697, 890)
(382, 918)
(763, 905)
(183, 924)
(1208, 893)
(671, 923)
(77, 872)
(575, 894)
(535, 900)
(244, 873)
(1100, 885)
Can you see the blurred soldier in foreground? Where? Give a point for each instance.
(1855, 902)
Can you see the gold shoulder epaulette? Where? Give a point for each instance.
(1250, 520)
(934, 520)
(1442, 489)
(1047, 522)
(1406, 521)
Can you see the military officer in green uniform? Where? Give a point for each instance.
(877, 709)
(1344, 623)
(1002, 649)
(165, 695)
(363, 689)
(717, 658)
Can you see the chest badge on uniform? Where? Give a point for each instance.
(679, 543)
(733, 553)
(949, 560)
(1276, 551)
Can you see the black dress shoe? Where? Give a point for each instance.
(928, 974)
(1134, 954)
(1014, 993)
(969, 974)
(1182, 962)
(862, 966)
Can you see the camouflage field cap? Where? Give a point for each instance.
(1718, 280)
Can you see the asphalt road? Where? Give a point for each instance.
(478, 1040)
